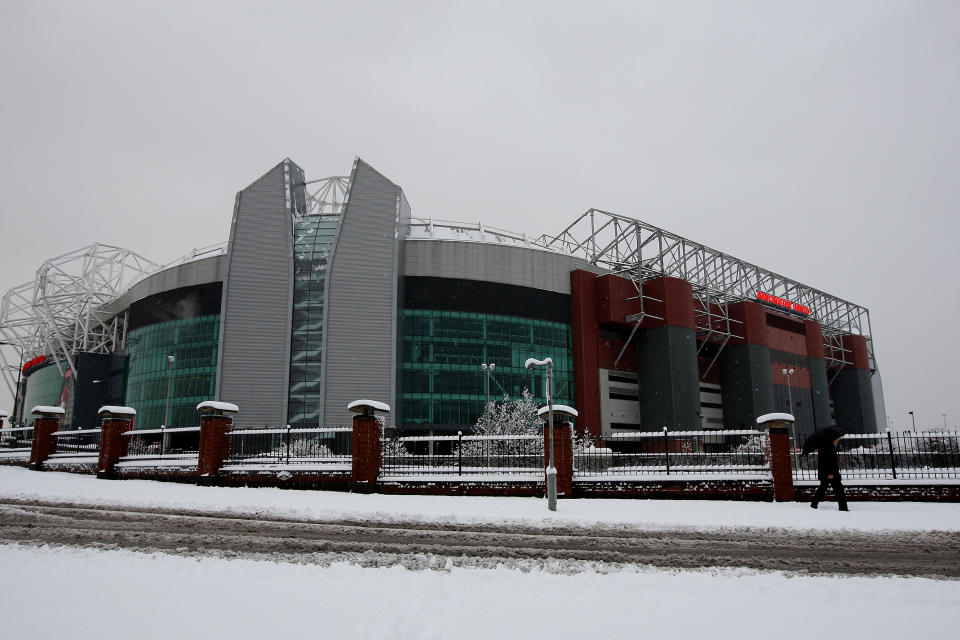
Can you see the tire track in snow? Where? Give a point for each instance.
(436, 544)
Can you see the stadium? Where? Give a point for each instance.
(331, 290)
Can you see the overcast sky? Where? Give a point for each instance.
(815, 139)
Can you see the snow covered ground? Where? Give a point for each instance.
(52, 592)
(865, 516)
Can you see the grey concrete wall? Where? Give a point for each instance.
(669, 380)
(747, 384)
(253, 361)
(202, 271)
(504, 264)
(820, 393)
(359, 339)
(853, 404)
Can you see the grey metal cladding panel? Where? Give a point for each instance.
(255, 321)
(361, 303)
(487, 262)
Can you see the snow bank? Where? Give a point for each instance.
(17, 482)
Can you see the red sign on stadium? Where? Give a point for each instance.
(780, 302)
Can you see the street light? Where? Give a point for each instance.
(486, 408)
(166, 404)
(16, 394)
(551, 469)
(788, 373)
(913, 421)
(793, 425)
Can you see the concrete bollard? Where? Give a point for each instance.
(46, 422)
(114, 422)
(216, 422)
(562, 445)
(777, 451)
(367, 440)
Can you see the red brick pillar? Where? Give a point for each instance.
(46, 422)
(562, 453)
(367, 440)
(114, 422)
(216, 421)
(777, 451)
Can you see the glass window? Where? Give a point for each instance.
(442, 384)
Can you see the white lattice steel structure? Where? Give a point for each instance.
(327, 196)
(641, 251)
(57, 315)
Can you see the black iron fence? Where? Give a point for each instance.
(173, 445)
(892, 456)
(77, 443)
(16, 441)
(733, 453)
(505, 457)
(329, 449)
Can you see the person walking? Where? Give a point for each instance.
(828, 471)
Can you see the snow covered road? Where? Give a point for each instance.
(566, 548)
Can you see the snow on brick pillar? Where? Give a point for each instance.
(46, 422)
(3, 416)
(777, 451)
(216, 422)
(586, 366)
(114, 422)
(367, 440)
(562, 455)
(562, 444)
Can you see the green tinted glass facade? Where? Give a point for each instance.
(44, 387)
(313, 236)
(442, 384)
(193, 344)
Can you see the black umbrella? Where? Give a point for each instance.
(819, 438)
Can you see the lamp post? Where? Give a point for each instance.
(789, 372)
(913, 421)
(486, 408)
(166, 404)
(16, 394)
(793, 425)
(551, 468)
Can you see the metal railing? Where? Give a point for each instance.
(520, 456)
(733, 453)
(906, 455)
(174, 445)
(329, 449)
(77, 443)
(16, 441)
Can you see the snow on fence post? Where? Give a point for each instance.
(777, 451)
(216, 421)
(114, 422)
(562, 445)
(367, 449)
(3, 416)
(46, 422)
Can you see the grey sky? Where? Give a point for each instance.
(816, 139)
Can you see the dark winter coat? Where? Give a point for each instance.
(827, 462)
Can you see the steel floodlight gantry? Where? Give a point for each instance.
(640, 251)
(58, 314)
